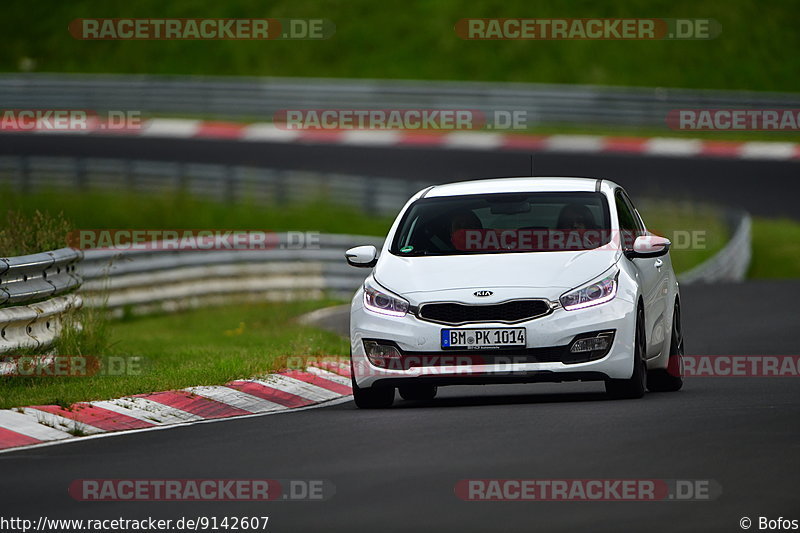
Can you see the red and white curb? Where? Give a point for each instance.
(268, 132)
(287, 390)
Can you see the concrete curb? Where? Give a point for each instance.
(283, 391)
(268, 132)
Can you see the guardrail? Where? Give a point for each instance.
(43, 278)
(371, 194)
(172, 279)
(143, 281)
(261, 98)
(376, 195)
(147, 280)
(35, 325)
(730, 263)
(35, 277)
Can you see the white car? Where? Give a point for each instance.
(515, 280)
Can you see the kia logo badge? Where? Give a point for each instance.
(483, 293)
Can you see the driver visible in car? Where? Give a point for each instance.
(448, 238)
(576, 217)
(576, 228)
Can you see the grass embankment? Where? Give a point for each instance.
(696, 232)
(31, 231)
(213, 346)
(416, 40)
(103, 210)
(120, 210)
(776, 249)
(198, 347)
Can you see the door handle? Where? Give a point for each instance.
(659, 263)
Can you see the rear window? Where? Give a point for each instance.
(503, 223)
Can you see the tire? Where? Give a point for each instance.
(423, 393)
(635, 386)
(670, 379)
(371, 397)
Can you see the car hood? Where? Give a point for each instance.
(563, 270)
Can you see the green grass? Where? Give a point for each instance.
(102, 210)
(216, 345)
(129, 210)
(696, 232)
(199, 347)
(32, 231)
(84, 332)
(416, 40)
(776, 248)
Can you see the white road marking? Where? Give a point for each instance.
(66, 440)
(371, 137)
(147, 410)
(329, 375)
(666, 146)
(170, 127)
(268, 132)
(768, 150)
(298, 388)
(29, 426)
(235, 398)
(479, 141)
(574, 143)
(61, 422)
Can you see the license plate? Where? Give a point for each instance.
(483, 338)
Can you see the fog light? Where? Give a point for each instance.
(591, 344)
(381, 355)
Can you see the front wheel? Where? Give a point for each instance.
(371, 397)
(633, 387)
(671, 378)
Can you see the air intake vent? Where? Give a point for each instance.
(455, 314)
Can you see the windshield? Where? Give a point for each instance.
(503, 223)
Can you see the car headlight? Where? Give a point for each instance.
(594, 293)
(379, 300)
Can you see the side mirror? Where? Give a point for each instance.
(648, 246)
(362, 256)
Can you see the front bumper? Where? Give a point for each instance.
(545, 335)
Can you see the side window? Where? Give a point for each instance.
(629, 224)
(637, 217)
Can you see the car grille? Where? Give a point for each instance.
(455, 314)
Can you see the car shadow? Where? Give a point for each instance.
(503, 399)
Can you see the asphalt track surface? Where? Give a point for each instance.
(763, 187)
(395, 470)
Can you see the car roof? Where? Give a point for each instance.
(517, 184)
